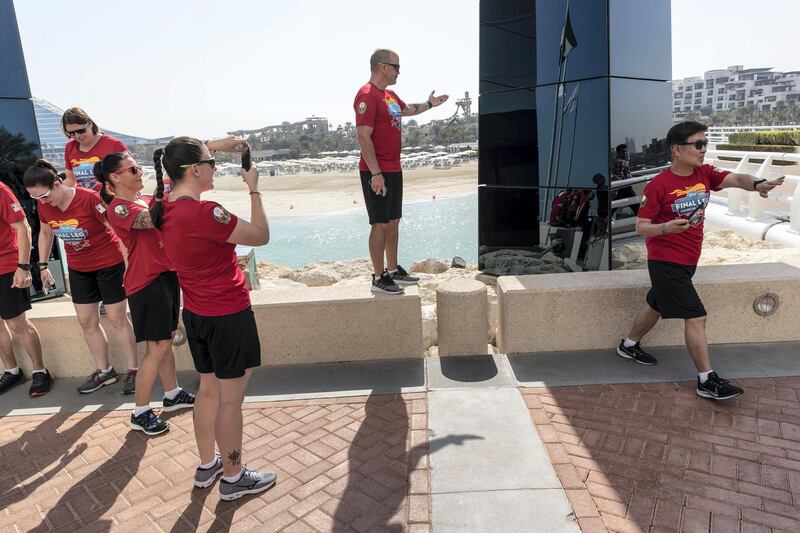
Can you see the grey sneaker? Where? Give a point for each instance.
(385, 284)
(401, 277)
(204, 477)
(130, 382)
(251, 482)
(183, 400)
(149, 423)
(98, 379)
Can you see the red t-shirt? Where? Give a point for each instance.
(146, 256)
(10, 212)
(195, 235)
(89, 243)
(381, 110)
(669, 196)
(82, 163)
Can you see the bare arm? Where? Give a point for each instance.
(255, 232)
(143, 220)
(378, 184)
(45, 245)
(22, 278)
(71, 181)
(433, 101)
(745, 181)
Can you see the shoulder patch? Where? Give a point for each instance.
(220, 215)
(717, 169)
(16, 208)
(362, 107)
(100, 208)
(121, 211)
(644, 201)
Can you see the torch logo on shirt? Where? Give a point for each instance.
(69, 232)
(394, 110)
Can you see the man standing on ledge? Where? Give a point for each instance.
(671, 219)
(378, 124)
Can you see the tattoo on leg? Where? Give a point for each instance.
(234, 457)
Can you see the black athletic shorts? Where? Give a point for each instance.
(672, 294)
(98, 285)
(155, 308)
(223, 345)
(13, 301)
(382, 209)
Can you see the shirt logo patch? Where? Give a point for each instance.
(16, 208)
(644, 201)
(69, 232)
(100, 208)
(362, 107)
(221, 216)
(121, 211)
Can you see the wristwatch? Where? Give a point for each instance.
(24, 266)
(757, 182)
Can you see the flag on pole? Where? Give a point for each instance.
(568, 41)
(572, 102)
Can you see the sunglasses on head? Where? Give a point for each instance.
(211, 162)
(697, 144)
(79, 131)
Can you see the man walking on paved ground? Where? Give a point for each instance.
(379, 112)
(671, 219)
(15, 278)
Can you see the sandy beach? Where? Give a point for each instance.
(323, 193)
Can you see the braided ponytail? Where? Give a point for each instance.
(157, 210)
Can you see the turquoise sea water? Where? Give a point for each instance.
(444, 227)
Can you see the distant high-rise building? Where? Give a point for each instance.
(736, 86)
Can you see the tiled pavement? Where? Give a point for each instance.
(344, 464)
(655, 457)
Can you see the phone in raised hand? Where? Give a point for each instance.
(246, 163)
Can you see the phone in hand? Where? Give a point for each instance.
(690, 217)
(246, 163)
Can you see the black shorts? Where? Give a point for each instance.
(672, 294)
(382, 209)
(13, 301)
(154, 308)
(98, 285)
(223, 345)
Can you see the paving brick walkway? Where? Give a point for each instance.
(347, 464)
(655, 457)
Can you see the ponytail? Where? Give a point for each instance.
(157, 210)
(102, 179)
(103, 169)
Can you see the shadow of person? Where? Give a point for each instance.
(381, 466)
(105, 483)
(43, 449)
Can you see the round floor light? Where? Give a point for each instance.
(766, 304)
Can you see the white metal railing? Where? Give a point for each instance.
(755, 203)
(719, 134)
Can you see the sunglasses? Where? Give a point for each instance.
(79, 131)
(395, 65)
(697, 144)
(211, 162)
(133, 168)
(44, 195)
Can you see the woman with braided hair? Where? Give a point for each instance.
(200, 238)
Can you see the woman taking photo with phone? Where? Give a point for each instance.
(200, 238)
(86, 146)
(78, 217)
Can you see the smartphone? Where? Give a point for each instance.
(246, 164)
(695, 210)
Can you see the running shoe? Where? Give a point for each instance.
(636, 353)
(40, 383)
(183, 400)
(204, 477)
(385, 284)
(149, 423)
(99, 378)
(401, 277)
(8, 380)
(717, 388)
(250, 482)
(130, 382)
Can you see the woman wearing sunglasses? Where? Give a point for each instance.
(77, 216)
(200, 238)
(151, 286)
(86, 146)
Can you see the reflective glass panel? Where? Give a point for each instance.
(13, 75)
(507, 45)
(640, 39)
(507, 149)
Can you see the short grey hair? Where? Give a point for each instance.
(381, 55)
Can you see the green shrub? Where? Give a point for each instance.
(772, 137)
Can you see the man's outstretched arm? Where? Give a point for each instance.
(433, 101)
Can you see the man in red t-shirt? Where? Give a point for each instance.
(671, 218)
(379, 113)
(15, 300)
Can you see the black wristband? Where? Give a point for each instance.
(430, 104)
(24, 266)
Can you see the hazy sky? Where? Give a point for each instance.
(203, 67)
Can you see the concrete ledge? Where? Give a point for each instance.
(593, 310)
(297, 326)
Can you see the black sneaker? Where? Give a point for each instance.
(182, 401)
(401, 277)
(130, 382)
(149, 423)
(717, 388)
(636, 353)
(40, 383)
(8, 380)
(385, 284)
(98, 379)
